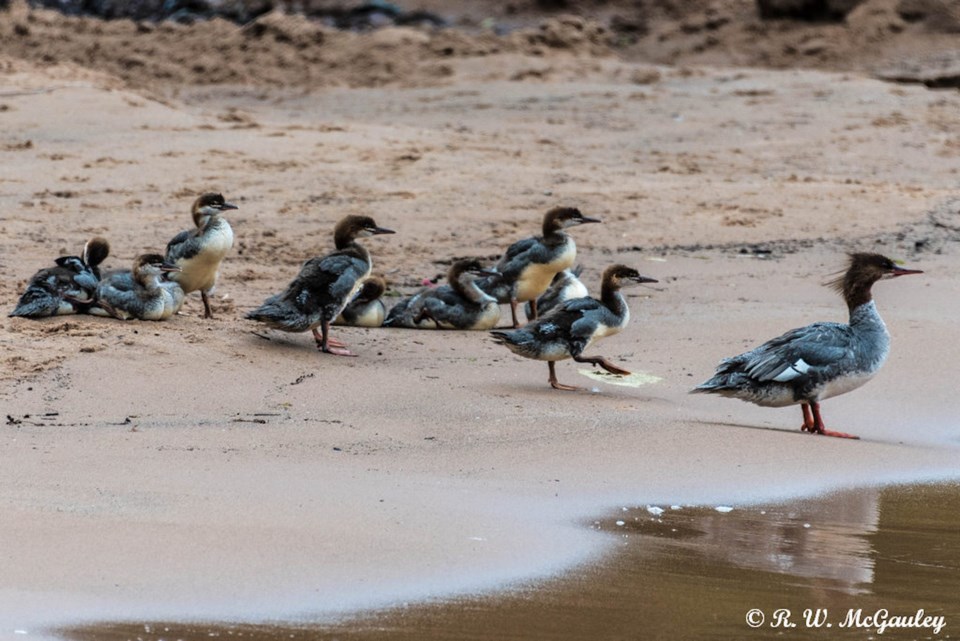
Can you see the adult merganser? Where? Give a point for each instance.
(813, 363)
(529, 265)
(147, 299)
(68, 288)
(367, 309)
(571, 328)
(198, 251)
(565, 286)
(459, 304)
(324, 286)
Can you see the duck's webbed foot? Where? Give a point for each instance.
(331, 342)
(110, 309)
(818, 427)
(600, 361)
(555, 384)
(329, 345)
(336, 351)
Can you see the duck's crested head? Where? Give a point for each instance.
(469, 266)
(617, 276)
(562, 217)
(373, 288)
(352, 227)
(209, 204)
(152, 264)
(96, 251)
(863, 270)
(73, 263)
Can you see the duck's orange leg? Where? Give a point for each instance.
(818, 427)
(555, 384)
(330, 346)
(807, 418)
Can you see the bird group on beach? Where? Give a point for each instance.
(801, 367)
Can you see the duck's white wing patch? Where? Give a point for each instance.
(798, 368)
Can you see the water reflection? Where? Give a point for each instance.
(824, 540)
(694, 573)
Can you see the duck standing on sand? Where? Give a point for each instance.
(68, 288)
(459, 304)
(367, 308)
(527, 268)
(571, 328)
(324, 286)
(147, 299)
(199, 251)
(813, 363)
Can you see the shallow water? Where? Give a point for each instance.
(695, 573)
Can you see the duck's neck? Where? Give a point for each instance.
(356, 249)
(553, 234)
(468, 288)
(865, 317)
(856, 293)
(613, 300)
(150, 282)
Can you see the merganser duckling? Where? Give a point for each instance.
(813, 363)
(529, 265)
(173, 295)
(198, 251)
(460, 304)
(367, 309)
(68, 288)
(324, 286)
(571, 328)
(147, 299)
(566, 285)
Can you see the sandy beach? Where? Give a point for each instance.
(214, 470)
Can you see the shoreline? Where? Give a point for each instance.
(192, 464)
(360, 617)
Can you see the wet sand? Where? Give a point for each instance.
(682, 572)
(192, 470)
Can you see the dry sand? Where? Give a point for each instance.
(191, 469)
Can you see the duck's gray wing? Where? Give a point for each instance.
(183, 245)
(516, 257)
(801, 354)
(122, 280)
(56, 290)
(398, 314)
(445, 305)
(585, 315)
(41, 298)
(338, 275)
(123, 299)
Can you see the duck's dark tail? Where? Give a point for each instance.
(712, 386)
(35, 303)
